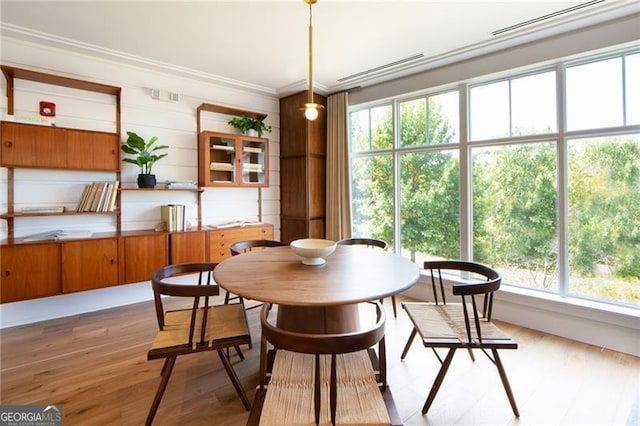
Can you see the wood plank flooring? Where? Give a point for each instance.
(95, 366)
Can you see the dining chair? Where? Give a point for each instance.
(202, 327)
(460, 325)
(295, 376)
(240, 247)
(372, 243)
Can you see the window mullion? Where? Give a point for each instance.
(562, 182)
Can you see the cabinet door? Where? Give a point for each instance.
(255, 162)
(92, 150)
(29, 271)
(89, 264)
(187, 247)
(217, 155)
(219, 240)
(143, 254)
(28, 145)
(232, 160)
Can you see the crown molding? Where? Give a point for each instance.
(42, 38)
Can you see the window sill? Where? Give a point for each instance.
(581, 308)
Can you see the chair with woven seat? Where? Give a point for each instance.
(462, 325)
(202, 327)
(371, 243)
(303, 366)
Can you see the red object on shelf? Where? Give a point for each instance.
(47, 109)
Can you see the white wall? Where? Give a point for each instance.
(173, 123)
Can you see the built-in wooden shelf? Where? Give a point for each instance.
(65, 213)
(197, 189)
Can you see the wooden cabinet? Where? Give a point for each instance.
(232, 160)
(219, 240)
(187, 247)
(302, 170)
(140, 255)
(89, 264)
(29, 145)
(29, 271)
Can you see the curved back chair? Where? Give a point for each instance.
(460, 325)
(240, 247)
(348, 354)
(203, 327)
(371, 243)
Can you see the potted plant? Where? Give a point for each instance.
(248, 125)
(145, 157)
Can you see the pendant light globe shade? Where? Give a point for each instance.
(311, 111)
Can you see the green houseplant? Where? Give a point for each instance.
(145, 157)
(246, 124)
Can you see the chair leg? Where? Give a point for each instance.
(395, 309)
(238, 351)
(505, 382)
(234, 379)
(167, 368)
(473, 358)
(316, 389)
(438, 381)
(333, 389)
(408, 345)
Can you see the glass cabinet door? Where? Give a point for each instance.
(222, 155)
(253, 162)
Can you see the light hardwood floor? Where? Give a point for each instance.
(95, 366)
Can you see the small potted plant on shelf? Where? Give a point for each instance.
(145, 157)
(250, 126)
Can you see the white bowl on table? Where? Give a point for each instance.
(313, 250)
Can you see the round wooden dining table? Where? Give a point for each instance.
(317, 299)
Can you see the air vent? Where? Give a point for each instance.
(545, 17)
(381, 67)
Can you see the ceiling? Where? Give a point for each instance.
(262, 45)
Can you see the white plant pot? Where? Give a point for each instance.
(251, 132)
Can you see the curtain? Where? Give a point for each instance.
(338, 213)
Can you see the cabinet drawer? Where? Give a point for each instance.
(219, 240)
(29, 271)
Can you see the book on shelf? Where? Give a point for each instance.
(234, 224)
(99, 197)
(59, 234)
(173, 215)
(181, 184)
(43, 209)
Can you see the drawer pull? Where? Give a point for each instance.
(6, 273)
(8, 144)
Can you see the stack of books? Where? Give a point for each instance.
(99, 197)
(173, 216)
(181, 184)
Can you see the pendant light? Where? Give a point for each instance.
(311, 108)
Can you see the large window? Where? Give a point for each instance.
(604, 217)
(544, 185)
(514, 212)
